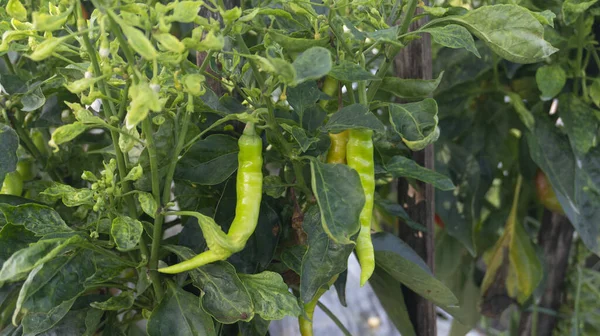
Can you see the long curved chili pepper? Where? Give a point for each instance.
(249, 194)
(359, 154)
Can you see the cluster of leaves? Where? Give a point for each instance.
(127, 109)
(501, 121)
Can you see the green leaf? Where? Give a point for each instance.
(324, 258)
(66, 133)
(510, 31)
(179, 314)
(312, 64)
(16, 10)
(148, 203)
(257, 327)
(271, 296)
(453, 36)
(126, 232)
(594, 92)
(143, 100)
(12, 239)
(398, 260)
(351, 72)
(545, 17)
(122, 301)
(411, 88)
(581, 122)
(70, 196)
(33, 100)
(73, 323)
(9, 142)
(395, 209)
(400, 166)
(300, 136)
(571, 9)
(352, 117)
(209, 161)
(50, 291)
(294, 44)
(47, 22)
(389, 292)
(224, 295)
(185, 11)
(36, 218)
(24, 260)
(550, 80)
(416, 123)
(340, 197)
(138, 41)
(574, 189)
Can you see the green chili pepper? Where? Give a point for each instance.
(249, 194)
(337, 149)
(360, 157)
(306, 325)
(12, 185)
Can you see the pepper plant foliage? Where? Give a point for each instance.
(119, 131)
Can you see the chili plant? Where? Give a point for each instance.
(191, 173)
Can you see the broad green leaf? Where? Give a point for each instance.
(350, 72)
(138, 41)
(389, 292)
(12, 239)
(416, 123)
(400, 166)
(66, 133)
(257, 327)
(52, 291)
(169, 42)
(324, 258)
(581, 122)
(185, 11)
(33, 100)
(209, 161)
(550, 80)
(352, 117)
(24, 260)
(398, 260)
(294, 44)
(513, 269)
(545, 17)
(300, 136)
(70, 196)
(395, 209)
(143, 100)
(122, 301)
(303, 99)
(36, 218)
(571, 9)
(126, 232)
(9, 142)
(340, 197)
(148, 203)
(271, 296)
(510, 31)
(47, 22)
(453, 36)
(179, 314)
(16, 10)
(292, 257)
(312, 64)
(224, 295)
(411, 88)
(73, 323)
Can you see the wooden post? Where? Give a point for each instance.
(555, 237)
(415, 62)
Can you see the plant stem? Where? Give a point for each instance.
(108, 112)
(579, 58)
(334, 318)
(392, 50)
